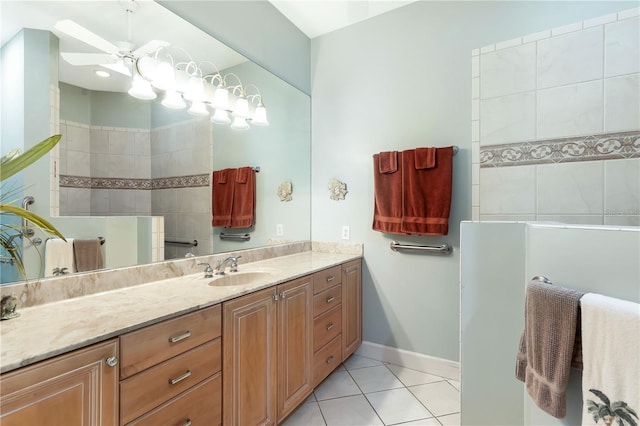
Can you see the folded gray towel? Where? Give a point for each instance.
(547, 344)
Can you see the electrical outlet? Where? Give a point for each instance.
(345, 232)
(279, 230)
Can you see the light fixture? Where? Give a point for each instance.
(141, 89)
(186, 81)
(103, 74)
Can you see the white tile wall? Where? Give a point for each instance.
(570, 58)
(581, 79)
(508, 118)
(570, 110)
(622, 103)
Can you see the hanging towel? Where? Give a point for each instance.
(425, 158)
(88, 255)
(388, 162)
(387, 212)
(222, 188)
(611, 373)
(244, 199)
(58, 257)
(547, 344)
(426, 200)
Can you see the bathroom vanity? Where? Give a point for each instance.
(247, 351)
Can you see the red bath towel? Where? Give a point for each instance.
(387, 215)
(222, 188)
(388, 162)
(425, 158)
(244, 199)
(427, 194)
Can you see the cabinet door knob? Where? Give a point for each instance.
(180, 378)
(329, 327)
(330, 299)
(282, 295)
(179, 337)
(187, 422)
(330, 359)
(330, 278)
(112, 361)
(275, 297)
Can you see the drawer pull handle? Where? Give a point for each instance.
(329, 327)
(179, 337)
(330, 299)
(112, 361)
(187, 423)
(330, 278)
(180, 378)
(330, 359)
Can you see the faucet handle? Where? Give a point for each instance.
(234, 264)
(208, 271)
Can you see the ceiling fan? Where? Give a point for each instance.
(118, 56)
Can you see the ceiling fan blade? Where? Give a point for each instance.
(88, 58)
(119, 66)
(149, 47)
(79, 32)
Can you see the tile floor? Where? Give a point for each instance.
(367, 392)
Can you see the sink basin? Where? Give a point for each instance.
(241, 278)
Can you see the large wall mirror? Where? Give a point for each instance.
(125, 162)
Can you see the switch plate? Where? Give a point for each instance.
(279, 230)
(345, 232)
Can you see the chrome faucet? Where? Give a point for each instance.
(232, 261)
(208, 271)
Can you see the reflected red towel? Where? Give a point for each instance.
(388, 162)
(222, 189)
(425, 158)
(387, 214)
(244, 199)
(426, 199)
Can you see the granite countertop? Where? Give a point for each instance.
(54, 328)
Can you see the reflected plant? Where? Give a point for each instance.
(10, 164)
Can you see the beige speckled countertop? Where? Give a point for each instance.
(54, 328)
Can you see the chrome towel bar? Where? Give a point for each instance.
(442, 249)
(235, 237)
(193, 243)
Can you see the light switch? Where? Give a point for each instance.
(345, 232)
(279, 230)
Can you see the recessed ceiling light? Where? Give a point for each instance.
(104, 74)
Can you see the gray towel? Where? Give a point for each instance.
(547, 344)
(87, 254)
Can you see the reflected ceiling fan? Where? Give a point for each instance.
(118, 56)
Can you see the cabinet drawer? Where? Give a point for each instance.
(149, 346)
(327, 278)
(326, 327)
(327, 359)
(152, 387)
(200, 405)
(326, 300)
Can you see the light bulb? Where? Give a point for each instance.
(141, 89)
(260, 116)
(220, 98)
(173, 100)
(220, 116)
(239, 123)
(165, 76)
(242, 108)
(195, 89)
(198, 108)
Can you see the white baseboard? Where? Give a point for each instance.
(428, 364)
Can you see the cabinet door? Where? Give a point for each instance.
(295, 335)
(351, 307)
(78, 388)
(249, 361)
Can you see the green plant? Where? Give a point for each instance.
(609, 412)
(11, 164)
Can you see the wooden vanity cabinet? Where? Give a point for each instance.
(267, 353)
(78, 388)
(351, 307)
(171, 371)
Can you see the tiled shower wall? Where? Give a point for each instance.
(556, 124)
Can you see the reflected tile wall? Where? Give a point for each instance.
(556, 124)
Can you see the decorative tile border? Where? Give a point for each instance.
(607, 146)
(191, 181)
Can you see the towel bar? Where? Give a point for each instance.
(193, 243)
(235, 237)
(542, 279)
(442, 249)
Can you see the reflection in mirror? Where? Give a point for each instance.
(151, 166)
